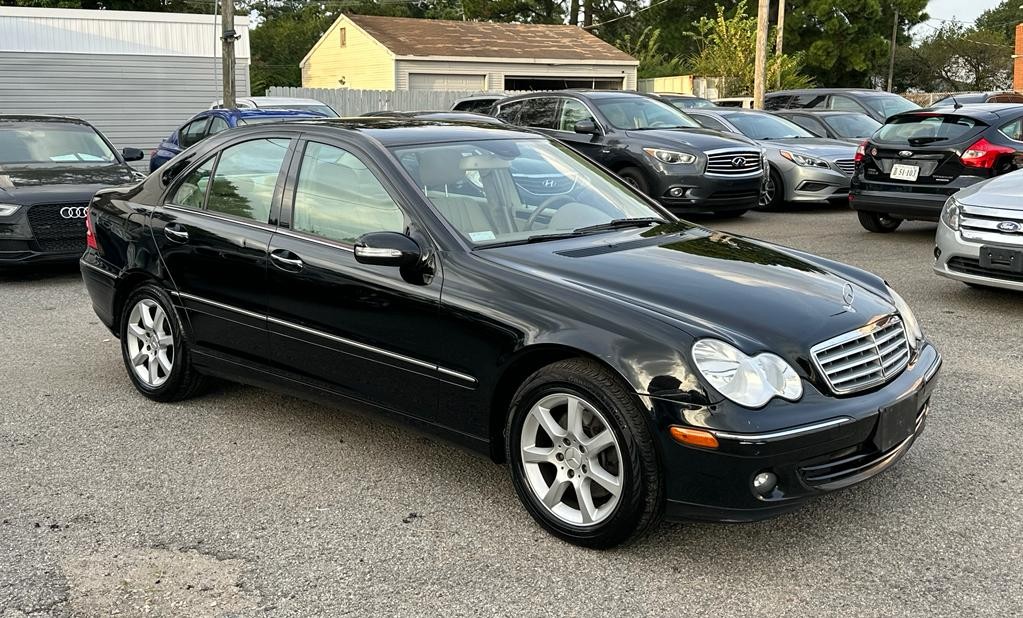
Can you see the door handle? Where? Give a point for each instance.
(286, 260)
(176, 233)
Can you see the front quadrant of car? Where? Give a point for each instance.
(506, 293)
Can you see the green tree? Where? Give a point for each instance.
(647, 49)
(954, 58)
(727, 49)
(1003, 18)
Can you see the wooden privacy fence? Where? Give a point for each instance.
(351, 102)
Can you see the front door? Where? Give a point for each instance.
(213, 232)
(362, 331)
(569, 112)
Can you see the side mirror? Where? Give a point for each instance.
(133, 154)
(387, 249)
(587, 127)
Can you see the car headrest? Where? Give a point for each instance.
(439, 167)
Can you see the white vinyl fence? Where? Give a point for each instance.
(350, 102)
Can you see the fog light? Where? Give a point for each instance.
(764, 483)
(676, 192)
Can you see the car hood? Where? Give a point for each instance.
(757, 295)
(700, 139)
(1003, 192)
(815, 146)
(30, 185)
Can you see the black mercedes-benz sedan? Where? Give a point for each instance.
(50, 167)
(626, 365)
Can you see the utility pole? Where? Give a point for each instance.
(781, 35)
(760, 59)
(227, 51)
(891, 59)
(587, 13)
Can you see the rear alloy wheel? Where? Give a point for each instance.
(878, 222)
(581, 455)
(154, 348)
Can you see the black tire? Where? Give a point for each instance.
(183, 381)
(877, 222)
(777, 197)
(641, 502)
(634, 176)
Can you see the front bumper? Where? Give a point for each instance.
(707, 194)
(21, 245)
(852, 439)
(814, 184)
(959, 258)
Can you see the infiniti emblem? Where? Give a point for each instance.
(1010, 227)
(905, 153)
(738, 161)
(847, 296)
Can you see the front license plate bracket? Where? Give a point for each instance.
(995, 258)
(895, 423)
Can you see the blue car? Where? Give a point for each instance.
(213, 121)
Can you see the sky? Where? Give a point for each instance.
(965, 10)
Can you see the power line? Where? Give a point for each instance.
(629, 14)
(998, 45)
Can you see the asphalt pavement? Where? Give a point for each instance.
(248, 503)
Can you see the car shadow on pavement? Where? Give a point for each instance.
(38, 272)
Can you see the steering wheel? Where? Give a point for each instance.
(657, 124)
(547, 203)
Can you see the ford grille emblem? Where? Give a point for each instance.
(738, 161)
(905, 153)
(1010, 227)
(74, 212)
(848, 295)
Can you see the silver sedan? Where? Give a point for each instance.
(804, 168)
(980, 236)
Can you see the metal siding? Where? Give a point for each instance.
(134, 100)
(497, 71)
(351, 102)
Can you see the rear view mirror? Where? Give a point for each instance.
(387, 249)
(132, 154)
(587, 127)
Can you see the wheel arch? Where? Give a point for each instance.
(126, 283)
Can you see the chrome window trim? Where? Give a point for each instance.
(290, 233)
(266, 227)
(223, 306)
(782, 433)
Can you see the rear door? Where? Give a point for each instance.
(213, 231)
(810, 123)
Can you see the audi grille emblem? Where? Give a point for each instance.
(1010, 227)
(549, 183)
(74, 212)
(738, 161)
(905, 153)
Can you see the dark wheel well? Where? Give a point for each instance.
(521, 368)
(125, 285)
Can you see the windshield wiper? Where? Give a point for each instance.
(616, 224)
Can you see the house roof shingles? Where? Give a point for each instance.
(406, 36)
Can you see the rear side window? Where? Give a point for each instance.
(1013, 130)
(538, 113)
(845, 104)
(810, 124)
(245, 178)
(921, 129)
(509, 112)
(808, 101)
(777, 102)
(192, 132)
(218, 125)
(192, 190)
(474, 105)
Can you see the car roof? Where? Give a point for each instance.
(815, 112)
(395, 131)
(249, 112)
(722, 111)
(583, 93)
(978, 111)
(680, 95)
(40, 118)
(863, 91)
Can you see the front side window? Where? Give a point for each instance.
(339, 198)
(889, 105)
(639, 113)
(218, 125)
(852, 125)
(511, 191)
(573, 111)
(711, 123)
(509, 112)
(538, 113)
(192, 190)
(192, 132)
(51, 143)
(842, 103)
(810, 124)
(766, 126)
(245, 178)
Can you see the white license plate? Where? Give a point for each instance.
(905, 172)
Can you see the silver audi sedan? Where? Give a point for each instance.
(804, 167)
(980, 236)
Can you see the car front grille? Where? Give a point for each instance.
(971, 266)
(864, 357)
(733, 163)
(988, 221)
(848, 166)
(544, 184)
(57, 228)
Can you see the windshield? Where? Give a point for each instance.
(319, 109)
(926, 128)
(643, 113)
(889, 105)
(766, 126)
(693, 102)
(509, 191)
(28, 143)
(852, 125)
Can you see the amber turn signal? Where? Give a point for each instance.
(694, 437)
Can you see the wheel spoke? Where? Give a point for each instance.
(537, 454)
(547, 422)
(159, 320)
(166, 340)
(154, 370)
(604, 479)
(138, 359)
(147, 317)
(599, 442)
(584, 494)
(556, 491)
(137, 331)
(164, 361)
(574, 418)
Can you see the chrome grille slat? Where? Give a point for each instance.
(863, 358)
(848, 166)
(721, 162)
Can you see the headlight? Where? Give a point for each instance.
(749, 381)
(7, 210)
(951, 213)
(670, 156)
(804, 160)
(913, 330)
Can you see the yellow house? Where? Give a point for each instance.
(400, 53)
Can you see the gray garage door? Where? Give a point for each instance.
(439, 81)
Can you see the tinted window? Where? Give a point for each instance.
(711, 123)
(509, 112)
(844, 104)
(192, 132)
(47, 143)
(852, 125)
(538, 113)
(244, 181)
(919, 129)
(766, 126)
(777, 102)
(339, 198)
(810, 124)
(888, 105)
(1013, 130)
(324, 110)
(808, 101)
(217, 125)
(643, 113)
(572, 111)
(474, 105)
(192, 190)
(690, 102)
